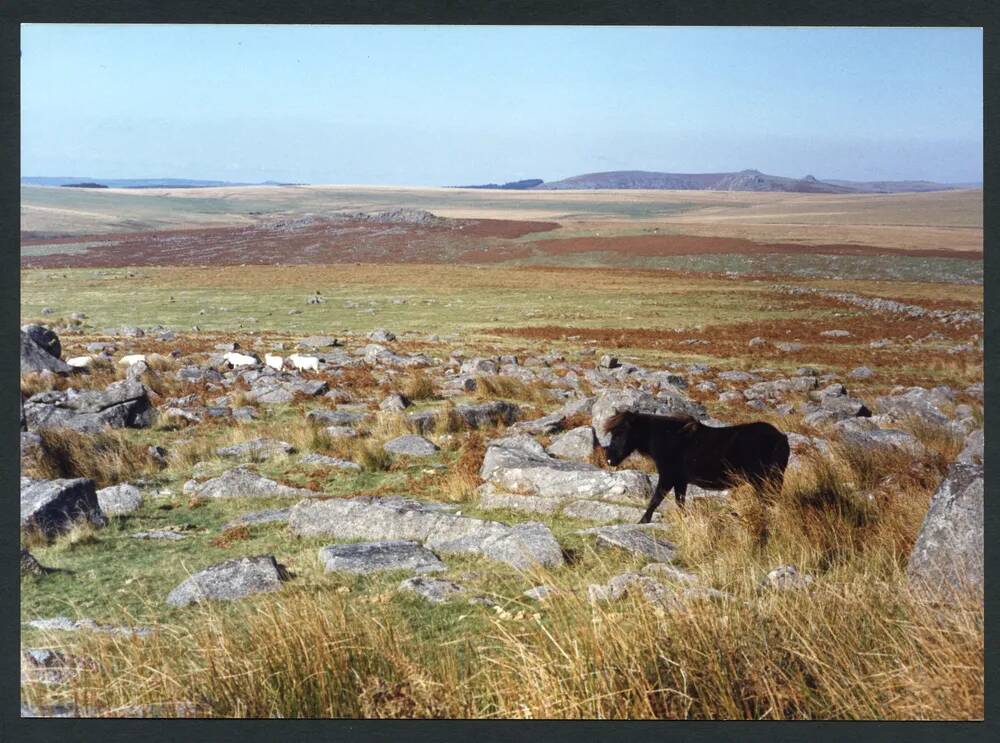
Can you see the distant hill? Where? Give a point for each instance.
(138, 182)
(744, 180)
(512, 185)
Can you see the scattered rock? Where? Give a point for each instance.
(119, 500)
(52, 506)
(435, 590)
(522, 545)
(411, 445)
(123, 404)
(639, 539)
(370, 557)
(245, 483)
(947, 558)
(577, 444)
(230, 580)
(785, 578)
(256, 450)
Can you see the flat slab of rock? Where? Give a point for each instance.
(119, 500)
(256, 450)
(435, 590)
(52, 506)
(522, 546)
(322, 460)
(65, 624)
(515, 467)
(576, 444)
(639, 539)
(411, 445)
(947, 557)
(268, 516)
(123, 404)
(229, 581)
(371, 557)
(612, 402)
(245, 483)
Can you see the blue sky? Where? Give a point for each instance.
(449, 105)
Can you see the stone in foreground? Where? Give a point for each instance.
(119, 500)
(257, 450)
(245, 483)
(52, 506)
(522, 546)
(411, 445)
(371, 557)
(229, 581)
(948, 555)
(639, 539)
(435, 590)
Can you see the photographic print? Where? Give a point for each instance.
(550, 372)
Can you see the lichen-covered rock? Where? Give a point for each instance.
(576, 444)
(51, 506)
(522, 545)
(411, 445)
(639, 539)
(229, 581)
(948, 554)
(119, 500)
(516, 469)
(37, 357)
(616, 401)
(245, 483)
(123, 404)
(256, 450)
(435, 590)
(372, 557)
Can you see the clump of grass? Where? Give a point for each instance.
(231, 535)
(106, 457)
(370, 455)
(418, 386)
(502, 387)
(459, 486)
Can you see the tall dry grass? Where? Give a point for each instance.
(106, 457)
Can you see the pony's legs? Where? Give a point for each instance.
(654, 502)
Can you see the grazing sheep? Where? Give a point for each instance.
(273, 361)
(240, 359)
(132, 359)
(303, 363)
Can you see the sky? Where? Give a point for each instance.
(457, 105)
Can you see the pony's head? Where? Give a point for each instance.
(620, 428)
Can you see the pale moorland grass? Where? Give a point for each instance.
(859, 643)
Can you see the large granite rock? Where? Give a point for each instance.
(639, 539)
(576, 444)
(241, 482)
(52, 506)
(948, 555)
(123, 404)
(522, 546)
(495, 412)
(519, 465)
(119, 500)
(613, 402)
(372, 557)
(229, 581)
(411, 445)
(36, 357)
(256, 450)
(918, 402)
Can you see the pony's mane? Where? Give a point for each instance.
(618, 419)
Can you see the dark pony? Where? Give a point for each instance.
(687, 451)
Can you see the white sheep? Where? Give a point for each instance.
(80, 362)
(240, 359)
(132, 359)
(303, 363)
(274, 361)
